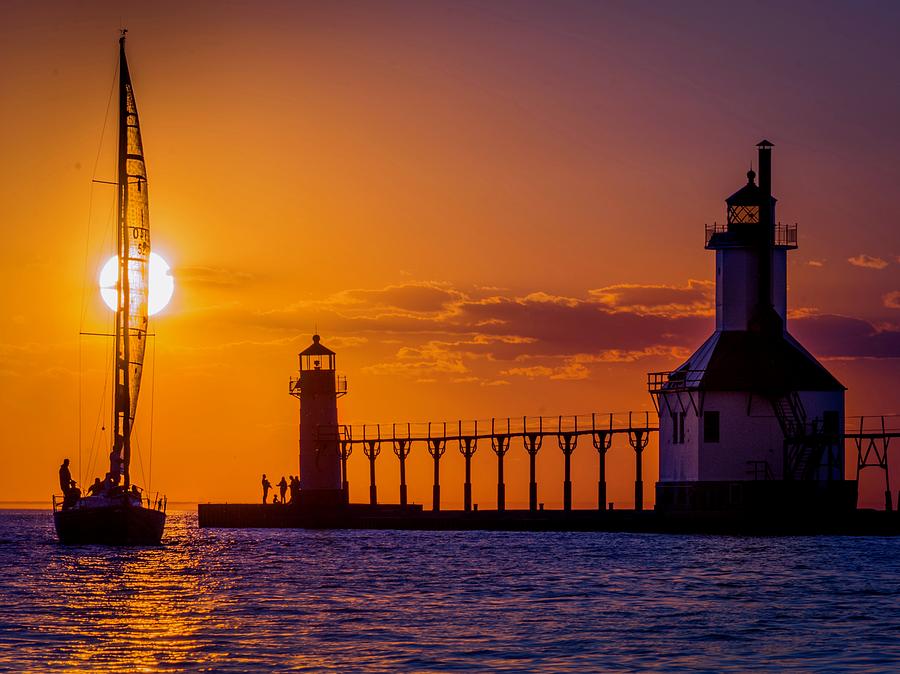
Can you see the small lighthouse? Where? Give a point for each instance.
(752, 420)
(318, 387)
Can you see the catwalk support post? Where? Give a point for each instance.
(437, 445)
(533, 442)
(372, 448)
(638, 438)
(500, 445)
(567, 441)
(467, 447)
(602, 439)
(401, 449)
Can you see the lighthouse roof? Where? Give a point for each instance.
(317, 348)
(741, 360)
(749, 195)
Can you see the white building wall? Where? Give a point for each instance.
(737, 286)
(678, 462)
(736, 283)
(779, 282)
(748, 431)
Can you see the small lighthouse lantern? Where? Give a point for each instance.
(743, 205)
(318, 358)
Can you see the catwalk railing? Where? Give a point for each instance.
(871, 435)
(467, 434)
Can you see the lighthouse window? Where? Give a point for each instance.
(743, 214)
(710, 427)
(678, 428)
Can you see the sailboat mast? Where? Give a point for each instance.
(121, 453)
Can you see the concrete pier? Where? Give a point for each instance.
(414, 517)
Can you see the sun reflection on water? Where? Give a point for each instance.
(277, 600)
(124, 609)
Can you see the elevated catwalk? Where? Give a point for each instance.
(770, 507)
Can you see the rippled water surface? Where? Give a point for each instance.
(277, 600)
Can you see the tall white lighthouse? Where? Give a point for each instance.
(751, 420)
(318, 387)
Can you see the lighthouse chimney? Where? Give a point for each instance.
(766, 319)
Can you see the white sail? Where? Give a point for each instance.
(133, 252)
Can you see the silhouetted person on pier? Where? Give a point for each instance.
(295, 489)
(266, 485)
(282, 487)
(95, 488)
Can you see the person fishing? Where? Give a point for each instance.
(282, 487)
(266, 486)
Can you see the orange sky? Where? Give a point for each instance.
(487, 209)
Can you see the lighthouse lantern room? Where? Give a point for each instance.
(751, 420)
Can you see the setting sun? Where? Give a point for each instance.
(162, 284)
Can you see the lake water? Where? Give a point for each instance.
(283, 600)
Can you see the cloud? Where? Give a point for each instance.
(431, 358)
(429, 330)
(831, 336)
(867, 261)
(816, 263)
(697, 298)
(892, 299)
(413, 298)
(217, 277)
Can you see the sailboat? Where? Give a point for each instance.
(115, 510)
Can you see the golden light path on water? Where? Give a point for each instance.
(132, 609)
(269, 600)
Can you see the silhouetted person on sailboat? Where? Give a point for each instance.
(65, 477)
(266, 485)
(115, 465)
(282, 487)
(71, 493)
(95, 488)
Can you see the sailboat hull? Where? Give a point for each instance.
(112, 525)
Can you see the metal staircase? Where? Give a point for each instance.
(804, 443)
(790, 414)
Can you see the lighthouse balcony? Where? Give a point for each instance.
(677, 380)
(340, 386)
(740, 234)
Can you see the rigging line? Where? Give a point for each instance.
(137, 450)
(87, 242)
(78, 425)
(140, 454)
(106, 359)
(152, 396)
(87, 246)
